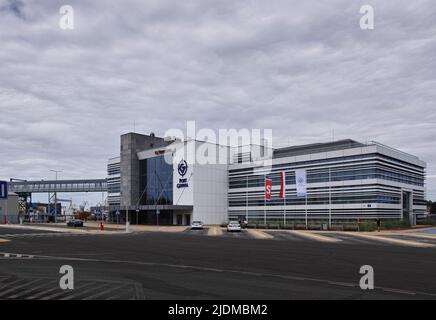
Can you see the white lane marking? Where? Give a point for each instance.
(4, 293)
(407, 243)
(399, 291)
(15, 255)
(4, 285)
(26, 292)
(313, 236)
(76, 293)
(39, 295)
(104, 292)
(257, 234)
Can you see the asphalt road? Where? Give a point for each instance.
(190, 266)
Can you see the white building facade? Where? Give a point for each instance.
(173, 182)
(346, 180)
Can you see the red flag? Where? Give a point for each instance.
(268, 187)
(282, 184)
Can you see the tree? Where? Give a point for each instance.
(431, 207)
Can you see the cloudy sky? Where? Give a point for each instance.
(301, 68)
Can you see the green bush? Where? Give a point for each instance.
(368, 226)
(394, 224)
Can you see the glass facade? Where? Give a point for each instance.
(337, 174)
(156, 181)
(342, 187)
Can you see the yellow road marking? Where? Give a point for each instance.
(257, 234)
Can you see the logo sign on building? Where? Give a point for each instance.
(182, 169)
(3, 190)
(268, 188)
(301, 181)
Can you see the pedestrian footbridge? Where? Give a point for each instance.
(52, 186)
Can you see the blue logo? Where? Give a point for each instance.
(182, 168)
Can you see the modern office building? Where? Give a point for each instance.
(160, 185)
(154, 180)
(345, 180)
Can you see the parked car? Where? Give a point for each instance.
(234, 226)
(75, 223)
(197, 225)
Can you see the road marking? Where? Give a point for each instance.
(4, 293)
(15, 255)
(76, 292)
(139, 292)
(5, 285)
(232, 271)
(172, 229)
(26, 292)
(313, 236)
(215, 231)
(399, 291)
(416, 235)
(257, 234)
(408, 243)
(102, 293)
(42, 294)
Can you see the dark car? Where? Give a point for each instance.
(75, 223)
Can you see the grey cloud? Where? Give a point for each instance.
(301, 68)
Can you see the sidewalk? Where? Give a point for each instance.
(56, 228)
(96, 224)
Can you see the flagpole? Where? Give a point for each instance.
(284, 197)
(264, 200)
(306, 210)
(284, 206)
(246, 203)
(330, 198)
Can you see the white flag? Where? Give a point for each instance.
(301, 181)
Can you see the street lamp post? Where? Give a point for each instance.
(56, 195)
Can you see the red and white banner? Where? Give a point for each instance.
(268, 188)
(282, 184)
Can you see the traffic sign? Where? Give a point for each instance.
(3, 190)
(158, 211)
(117, 212)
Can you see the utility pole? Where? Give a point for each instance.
(56, 195)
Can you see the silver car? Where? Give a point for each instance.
(197, 225)
(234, 226)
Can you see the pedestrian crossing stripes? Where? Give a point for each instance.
(32, 288)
